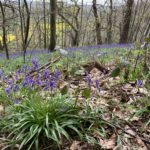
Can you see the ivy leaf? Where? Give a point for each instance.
(86, 93)
(116, 72)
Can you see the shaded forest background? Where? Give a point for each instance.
(41, 24)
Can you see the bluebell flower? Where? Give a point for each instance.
(97, 87)
(24, 83)
(24, 67)
(15, 88)
(1, 73)
(88, 78)
(19, 71)
(10, 83)
(38, 80)
(30, 81)
(35, 64)
(8, 90)
(52, 84)
(139, 83)
(16, 101)
(46, 74)
(56, 74)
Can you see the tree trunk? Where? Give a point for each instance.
(45, 28)
(97, 22)
(4, 37)
(126, 22)
(109, 29)
(53, 5)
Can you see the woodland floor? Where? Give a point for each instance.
(124, 106)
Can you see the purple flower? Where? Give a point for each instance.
(139, 83)
(24, 67)
(28, 82)
(1, 73)
(8, 90)
(16, 101)
(24, 83)
(88, 78)
(38, 80)
(56, 74)
(97, 87)
(15, 88)
(52, 84)
(19, 71)
(35, 64)
(46, 74)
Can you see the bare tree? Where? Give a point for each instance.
(45, 28)
(126, 22)
(109, 24)
(4, 37)
(53, 5)
(97, 22)
(25, 25)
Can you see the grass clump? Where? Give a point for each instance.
(35, 122)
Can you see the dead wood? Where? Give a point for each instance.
(45, 66)
(89, 66)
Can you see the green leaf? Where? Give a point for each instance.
(116, 72)
(86, 93)
(64, 90)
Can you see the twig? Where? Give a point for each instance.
(47, 65)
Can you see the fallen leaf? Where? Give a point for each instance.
(108, 143)
(130, 131)
(75, 145)
(141, 144)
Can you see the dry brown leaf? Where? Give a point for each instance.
(130, 131)
(75, 145)
(141, 144)
(108, 143)
(144, 91)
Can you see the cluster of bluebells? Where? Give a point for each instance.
(84, 48)
(44, 79)
(89, 81)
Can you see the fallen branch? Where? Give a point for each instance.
(45, 66)
(88, 67)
